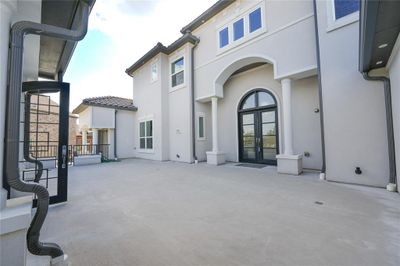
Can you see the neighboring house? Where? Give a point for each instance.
(110, 120)
(44, 57)
(244, 83)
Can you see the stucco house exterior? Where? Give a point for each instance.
(110, 121)
(273, 82)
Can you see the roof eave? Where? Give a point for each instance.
(368, 18)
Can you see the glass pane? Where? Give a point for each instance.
(250, 102)
(346, 7)
(238, 29)
(269, 142)
(149, 142)
(248, 130)
(154, 72)
(255, 20)
(223, 38)
(249, 153)
(201, 127)
(142, 129)
(265, 99)
(177, 66)
(149, 128)
(249, 142)
(268, 129)
(142, 143)
(177, 79)
(268, 117)
(269, 154)
(248, 119)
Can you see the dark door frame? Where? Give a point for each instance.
(257, 113)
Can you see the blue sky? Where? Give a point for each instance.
(120, 32)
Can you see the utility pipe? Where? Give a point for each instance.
(193, 100)
(389, 127)
(18, 31)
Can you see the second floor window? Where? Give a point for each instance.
(177, 72)
(238, 29)
(223, 37)
(154, 72)
(345, 7)
(255, 20)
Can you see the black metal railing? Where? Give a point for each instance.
(51, 151)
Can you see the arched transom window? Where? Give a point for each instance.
(257, 99)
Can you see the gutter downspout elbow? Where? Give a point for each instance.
(392, 186)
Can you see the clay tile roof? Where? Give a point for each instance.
(107, 102)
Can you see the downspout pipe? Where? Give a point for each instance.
(193, 102)
(18, 31)
(321, 102)
(389, 127)
(115, 135)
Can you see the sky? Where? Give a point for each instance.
(120, 32)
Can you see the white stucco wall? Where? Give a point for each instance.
(125, 134)
(278, 43)
(85, 118)
(306, 127)
(354, 112)
(394, 73)
(102, 117)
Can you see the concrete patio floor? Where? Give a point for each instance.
(139, 212)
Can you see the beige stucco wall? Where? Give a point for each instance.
(394, 73)
(85, 118)
(102, 117)
(125, 134)
(354, 112)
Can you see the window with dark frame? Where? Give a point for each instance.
(146, 135)
(201, 127)
(177, 72)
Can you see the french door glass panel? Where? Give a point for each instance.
(248, 137)
(268, 135)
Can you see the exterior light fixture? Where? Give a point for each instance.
(382, 45)
(379, 62)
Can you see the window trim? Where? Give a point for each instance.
(144, 120)
(247, 35)
(334, 23)
(172, 61)
(154, 63)
(203, 115)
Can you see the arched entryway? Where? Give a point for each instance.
(258, 127)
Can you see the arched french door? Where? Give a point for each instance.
(258, 127)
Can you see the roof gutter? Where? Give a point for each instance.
(321, 102)
(18, 32)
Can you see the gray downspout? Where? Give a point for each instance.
(321, 102)
(193, 102)
(115, 135)
(389, 125)
(18, 31)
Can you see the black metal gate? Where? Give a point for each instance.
(45, 137)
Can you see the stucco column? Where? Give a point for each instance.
(214, 110)
(287, 116)
(288, 162)
(95, 140)
(215, 156)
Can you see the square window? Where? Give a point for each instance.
(177, 72)
(345, 7)
(255, 20)
(238, 29)
(223, 37)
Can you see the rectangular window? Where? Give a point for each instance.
(238, 29)
(223, 37)
(201, 129)
(255, 20)
(177, 72)
(345, 7)
(154, 71)
(146, 135)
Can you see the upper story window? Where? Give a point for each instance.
(177, 72)
(154, 71)
(223, 37)
(238, 29)
(255, 20)
(345, 7)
